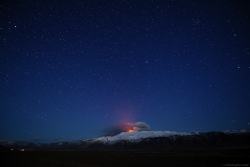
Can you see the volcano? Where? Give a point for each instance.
(148, 141)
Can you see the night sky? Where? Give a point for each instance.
(69, 69)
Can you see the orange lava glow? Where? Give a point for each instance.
(131, 130)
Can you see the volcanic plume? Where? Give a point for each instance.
(128, 127)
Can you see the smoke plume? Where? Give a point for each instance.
(126, 127)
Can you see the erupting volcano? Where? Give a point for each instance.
(131, 130)
(127, 127)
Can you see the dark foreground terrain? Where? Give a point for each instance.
(232, 157)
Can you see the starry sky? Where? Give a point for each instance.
(69, 69)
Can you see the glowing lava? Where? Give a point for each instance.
(131, 130)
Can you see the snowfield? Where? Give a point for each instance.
(137, 136)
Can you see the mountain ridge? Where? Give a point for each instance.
(147, 141)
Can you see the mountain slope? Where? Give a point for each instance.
(178, 141)
(148, 140)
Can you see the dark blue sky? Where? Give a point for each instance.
(70, 69)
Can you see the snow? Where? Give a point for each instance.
(236, 131)
(138, 136)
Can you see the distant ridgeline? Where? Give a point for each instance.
(147, 140)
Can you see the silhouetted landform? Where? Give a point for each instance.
(196, 141)
(191, 158)
(3, 148)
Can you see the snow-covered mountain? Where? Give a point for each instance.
(148, 140)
